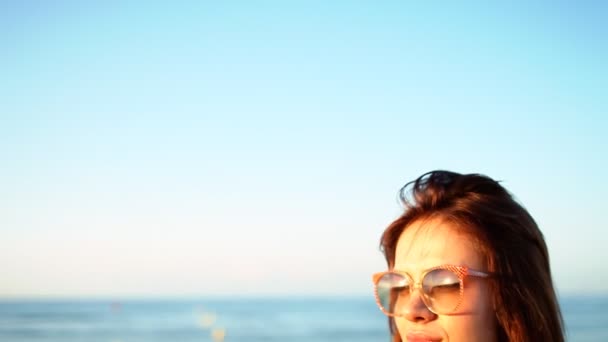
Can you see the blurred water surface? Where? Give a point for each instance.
(320, 319)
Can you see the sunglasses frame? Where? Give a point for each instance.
(461, 271)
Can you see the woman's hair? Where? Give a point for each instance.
(509, 241)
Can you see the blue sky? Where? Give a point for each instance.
(258, 147)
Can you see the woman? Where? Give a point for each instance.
(466, 263)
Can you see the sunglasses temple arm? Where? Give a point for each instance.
(477, 273)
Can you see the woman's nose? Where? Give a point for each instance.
(415, 310)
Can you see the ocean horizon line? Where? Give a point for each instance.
(232, 296)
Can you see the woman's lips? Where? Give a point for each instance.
(422, 337)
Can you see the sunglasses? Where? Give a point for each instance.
(441, 289)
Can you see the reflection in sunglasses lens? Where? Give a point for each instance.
(393, 290)
(442, 290)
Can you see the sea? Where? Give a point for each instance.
(317, 319)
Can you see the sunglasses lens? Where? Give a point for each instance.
(442, 290)
(393, 290)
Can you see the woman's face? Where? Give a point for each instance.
(430, 243)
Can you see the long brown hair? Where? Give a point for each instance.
(509, 239)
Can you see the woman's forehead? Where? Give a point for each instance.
(433, 242)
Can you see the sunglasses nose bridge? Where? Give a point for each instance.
(417, 294)
(419, 287)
